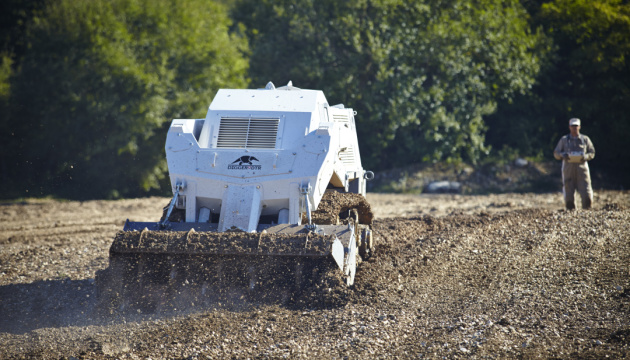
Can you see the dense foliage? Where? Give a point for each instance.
(587, 75)
(591, 76)
(87, 87)
(99, 82)
(422, 75)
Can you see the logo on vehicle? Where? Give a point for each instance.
(244, 163)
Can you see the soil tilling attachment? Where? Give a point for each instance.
(268, 199)
(155, 269)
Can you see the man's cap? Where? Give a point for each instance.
(574, 121)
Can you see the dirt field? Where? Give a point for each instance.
(497, 276)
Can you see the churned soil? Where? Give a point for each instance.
(333, 204)
(455, 276)
(227, 243)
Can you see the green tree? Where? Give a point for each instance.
(592, 77)
(14, 14)
(98, 85)
(587, 75)
(5, 91)
(421, 74)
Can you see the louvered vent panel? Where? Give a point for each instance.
(342, 118)
(247, 133)
(347, 156)
(262, 133)
(233, 133)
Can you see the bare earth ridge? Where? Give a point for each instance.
(455, 276)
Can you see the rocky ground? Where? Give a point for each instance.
(455, 276)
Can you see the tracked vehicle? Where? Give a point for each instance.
(268, 193)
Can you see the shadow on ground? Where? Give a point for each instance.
(50, 303)
(64, 303)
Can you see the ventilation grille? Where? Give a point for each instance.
(342, 118)
(248, 133)
(347, 156)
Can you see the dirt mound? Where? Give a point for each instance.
(334, 206)
(474, 278)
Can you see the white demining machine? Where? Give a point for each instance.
(267, 190)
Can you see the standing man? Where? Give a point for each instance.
(575, 150)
